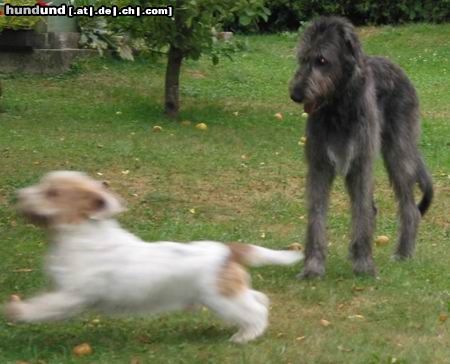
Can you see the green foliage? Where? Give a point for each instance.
(287, 14)
(192, 28)
(95, 34)
(401, 11)
(19, 22)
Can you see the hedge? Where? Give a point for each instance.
(289, 14)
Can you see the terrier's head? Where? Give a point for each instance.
(66, 197)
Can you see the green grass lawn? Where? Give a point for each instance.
(245, 178)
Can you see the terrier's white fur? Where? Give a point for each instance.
(95, 264)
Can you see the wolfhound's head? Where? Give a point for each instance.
(329, 57)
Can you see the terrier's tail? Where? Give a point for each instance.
(255, 256)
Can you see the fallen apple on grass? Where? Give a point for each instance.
(201, 126)
(83, 349)
(382, 240)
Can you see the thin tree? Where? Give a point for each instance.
(188, 34)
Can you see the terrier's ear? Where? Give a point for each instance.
(104, 205)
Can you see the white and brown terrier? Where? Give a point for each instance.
(96, 264)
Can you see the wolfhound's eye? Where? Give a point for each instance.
(320, 61)
(52, 193)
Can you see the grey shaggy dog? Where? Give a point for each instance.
(357, 105)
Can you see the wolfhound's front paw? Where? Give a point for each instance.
(364, 267)
(402, 255)
(309, 274)
(313, 269)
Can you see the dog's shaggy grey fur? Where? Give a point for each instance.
(357, 104)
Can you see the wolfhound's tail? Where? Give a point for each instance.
(426, 186)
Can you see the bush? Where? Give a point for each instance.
(289, 14)
(18, 22)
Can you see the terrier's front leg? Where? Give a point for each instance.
(46, 307)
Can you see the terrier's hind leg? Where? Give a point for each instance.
(248, 311)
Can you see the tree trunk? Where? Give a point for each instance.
(172, 97)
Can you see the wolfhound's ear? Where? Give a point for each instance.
(352, 42)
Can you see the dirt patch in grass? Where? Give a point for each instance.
(3, 198)
(368, 32)
(438, 213)
(436, 114)
(221, 196)
(228, 195)
(196, 74)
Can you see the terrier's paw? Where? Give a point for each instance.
(243, 337)
(14, 311)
